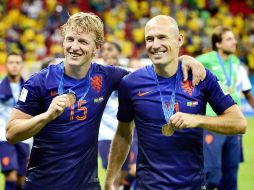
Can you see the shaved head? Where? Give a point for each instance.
(163, 42)
(164, 20)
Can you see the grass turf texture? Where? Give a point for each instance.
(246, 171)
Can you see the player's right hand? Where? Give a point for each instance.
(182, 120)
(57, 106)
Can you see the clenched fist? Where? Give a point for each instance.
(184, 120)
(57, 106)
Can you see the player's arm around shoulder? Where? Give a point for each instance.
(118, 151)
(197, 69)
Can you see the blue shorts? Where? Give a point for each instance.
(221, 152)
(104, 148)
(14, 157)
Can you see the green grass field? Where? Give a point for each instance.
(246, 172)
(1, 181)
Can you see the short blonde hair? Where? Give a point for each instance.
(86, 22)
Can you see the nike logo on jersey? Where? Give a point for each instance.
(143, 93)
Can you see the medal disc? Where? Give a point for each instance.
(72, 98)
(167, 130)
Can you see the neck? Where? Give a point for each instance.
(14, 79)
(223, 55)
(167, 70)
(77, 72)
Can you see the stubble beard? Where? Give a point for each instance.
(228, 52)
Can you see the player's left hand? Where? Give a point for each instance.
(197, 69)
(184, 120)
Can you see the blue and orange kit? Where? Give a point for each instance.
(64, 152)
(168, 162)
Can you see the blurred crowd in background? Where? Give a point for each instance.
(32, 27)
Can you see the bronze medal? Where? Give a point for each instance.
(72, 98)
(167, 130)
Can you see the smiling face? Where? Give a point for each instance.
(79, 48)
(162, 40)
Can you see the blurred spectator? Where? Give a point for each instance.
(13, 157)
(34, 29)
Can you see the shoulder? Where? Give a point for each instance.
(111, 73)
(209, 80)
(137, 75)
(208, 59)
(107, 68)
(4, 85)
(235, 59)
(4, 81)
(109, 76)
(209, 75)
(211, 54)
(46, 75)
(243, 70)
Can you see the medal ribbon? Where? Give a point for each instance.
(228, 78)
(167, 113)
(61, 84)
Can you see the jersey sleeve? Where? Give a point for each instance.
(29, 100)
(125, 109)
(117, 74)
(216, 97)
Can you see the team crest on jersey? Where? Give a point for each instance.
(96, 83)
(187, 87)
(23, 95)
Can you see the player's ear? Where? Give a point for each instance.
(180, 40)
(218, 45)
(95, 52)
(98, 49)
(99, 46)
